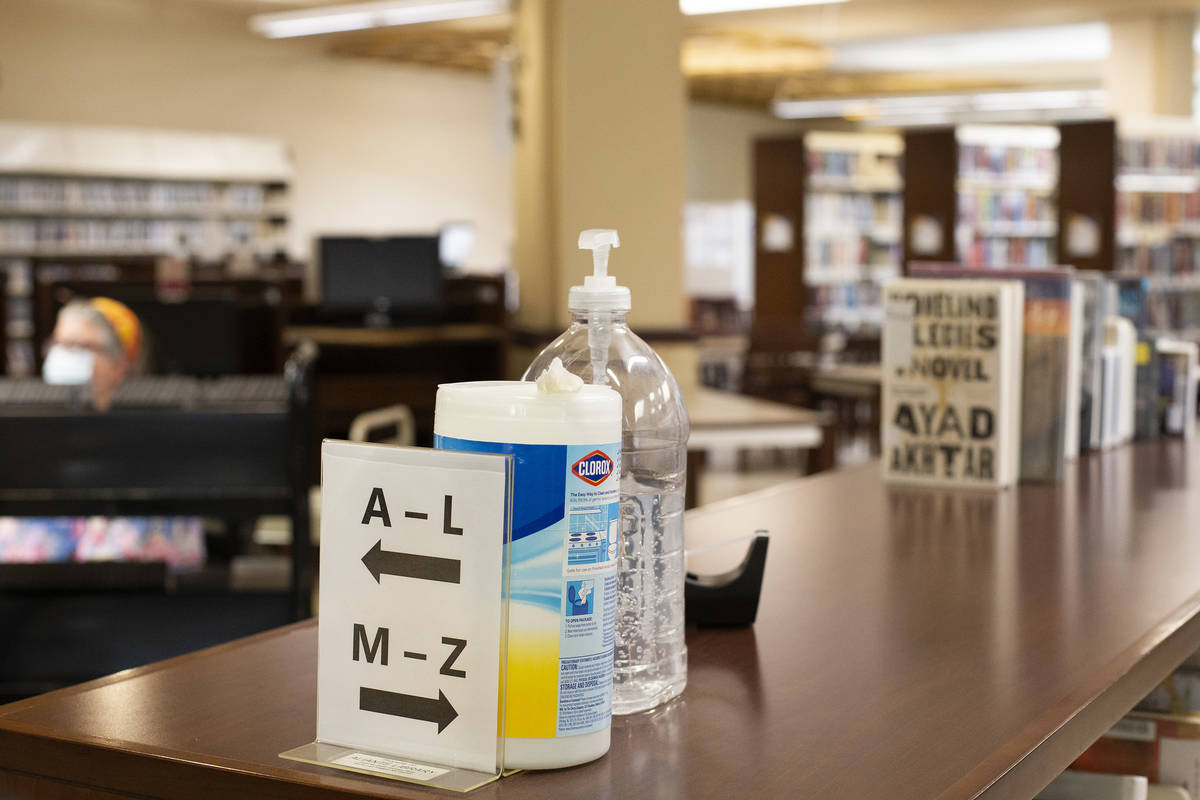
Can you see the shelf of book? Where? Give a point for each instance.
(71, 191)
(144, 213)
(1158, 196)
(1006, 187)
(852, 227)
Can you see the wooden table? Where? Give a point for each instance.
(848, 380)
(725, 418)
(739, 421)
(911, 644)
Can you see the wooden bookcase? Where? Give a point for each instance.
(1126, 202)
(828, 232)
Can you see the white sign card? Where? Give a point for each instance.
(412, 561)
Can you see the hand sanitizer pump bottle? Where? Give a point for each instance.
(650, 665)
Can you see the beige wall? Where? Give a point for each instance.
(378, 147)
(720, 163)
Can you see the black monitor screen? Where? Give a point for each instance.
(195, 337)
(381, 274)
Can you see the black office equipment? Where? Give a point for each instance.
(220, 327)
(194, 337)
(729, 599)
(383, 280)
(230, 448)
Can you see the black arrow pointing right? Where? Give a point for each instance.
(425, 709)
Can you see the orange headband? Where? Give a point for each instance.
(123, 321)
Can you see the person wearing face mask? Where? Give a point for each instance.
(95, 342)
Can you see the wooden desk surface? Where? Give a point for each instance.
(911, 644)
(711, 408)
(392, 337)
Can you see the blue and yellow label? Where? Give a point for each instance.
(562, 586)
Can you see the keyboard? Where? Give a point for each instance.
(170, 391)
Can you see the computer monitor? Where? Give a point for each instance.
(195, 337)
(209, 333)
(396, 278)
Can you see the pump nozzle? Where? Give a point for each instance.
(599, 291)
(599, 241)
(599, 298)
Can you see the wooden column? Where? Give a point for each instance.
(780, 295)
(930, 194)
(1087, 168)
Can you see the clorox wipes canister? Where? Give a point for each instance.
(565, 438)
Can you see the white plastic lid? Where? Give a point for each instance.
(599, 291)
(517, 412)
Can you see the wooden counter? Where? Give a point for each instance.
(911, 644)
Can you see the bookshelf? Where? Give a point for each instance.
(1006, 186)
(80, 193)
(852, 227)
(1158, 197)
(1130, 205)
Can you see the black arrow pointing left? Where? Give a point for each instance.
(425, 709)
(410, 565)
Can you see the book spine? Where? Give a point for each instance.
(1044, 385)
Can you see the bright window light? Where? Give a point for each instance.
(960, 106)
(1050, 44)
(360, 16)
(692, 7)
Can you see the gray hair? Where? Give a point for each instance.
(86, 312)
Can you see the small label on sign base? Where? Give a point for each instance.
(390, 766)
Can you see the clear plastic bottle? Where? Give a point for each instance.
(650, 665)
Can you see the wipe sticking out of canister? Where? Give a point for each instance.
(565, 438)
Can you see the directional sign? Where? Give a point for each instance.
(412, 544)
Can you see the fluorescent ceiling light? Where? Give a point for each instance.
(359, 16)
(692, 7)
(920, 108)
(1051, 44)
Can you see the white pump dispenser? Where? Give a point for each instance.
(599, 297)
(650, 652)
(599, 291)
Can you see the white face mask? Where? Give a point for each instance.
(70, 366)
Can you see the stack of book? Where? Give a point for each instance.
(998, 375)
(952, 381)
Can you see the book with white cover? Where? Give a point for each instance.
(1110, 393)
(1095, 298)
(952, 381)
(1124, 336)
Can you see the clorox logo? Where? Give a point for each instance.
(594, 468)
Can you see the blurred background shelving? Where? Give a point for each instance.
(851, 231)
(1007, 182)
(74, 194)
